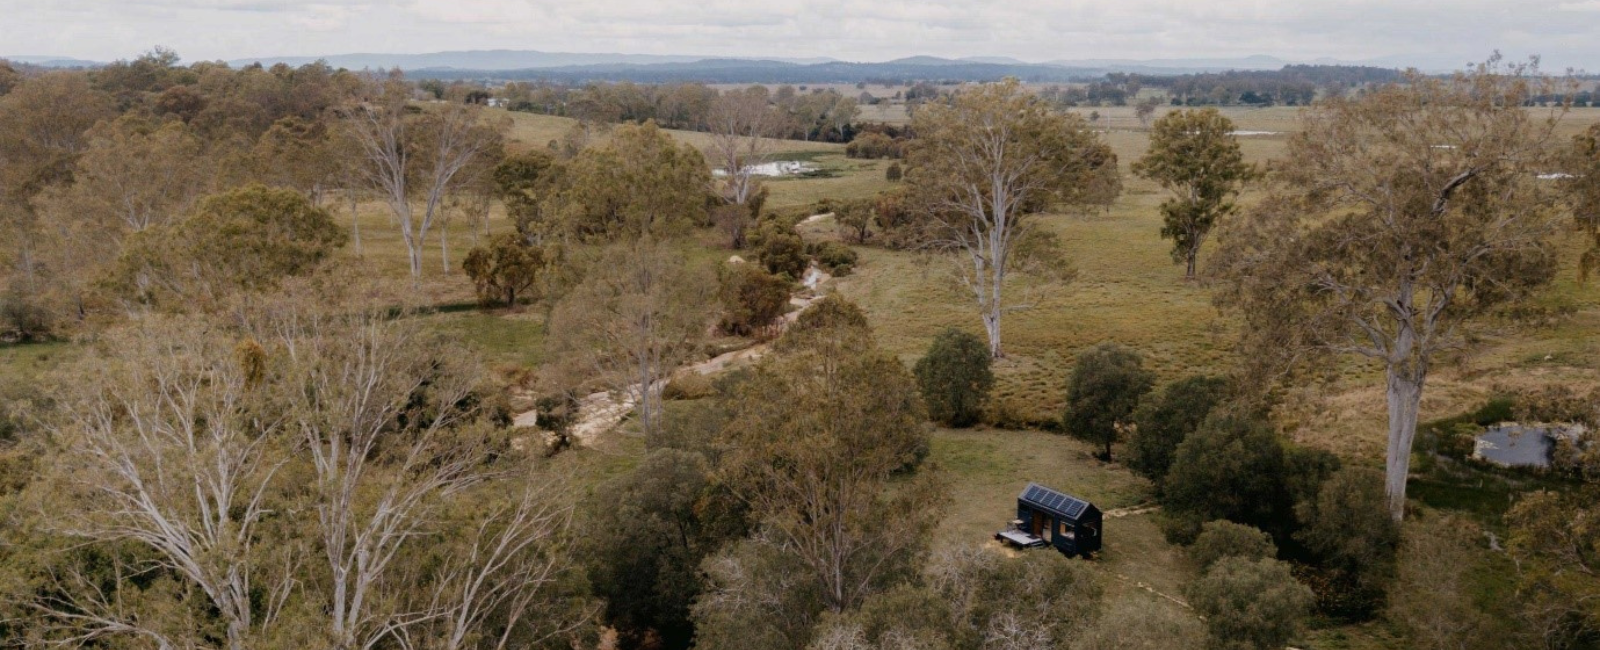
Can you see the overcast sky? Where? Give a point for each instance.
(1566, 32)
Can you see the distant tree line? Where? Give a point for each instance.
(824, 115)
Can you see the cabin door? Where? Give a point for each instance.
(1040, 526)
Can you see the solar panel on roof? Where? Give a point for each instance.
(1076, 508)
(1052, 500)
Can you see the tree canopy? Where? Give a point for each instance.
(1396, 220)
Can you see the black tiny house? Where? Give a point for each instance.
(1068, 523)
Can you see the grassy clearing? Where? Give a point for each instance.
(21, 363)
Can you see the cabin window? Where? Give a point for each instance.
(1066, 530)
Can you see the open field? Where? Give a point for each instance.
(1127, 290)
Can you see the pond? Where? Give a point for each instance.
(1517, 445)
(774, 169)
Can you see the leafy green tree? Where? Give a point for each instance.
(781, 250)
(752, 299)
(1398, 220)
(830, 318)
(650, 530)
(815, 434)
(508, 266)
(1196, 157)
(855, 219)
(1348, 530)
(955, 378)
(1249, 604)
(524, 182)
(983, 164)
(1165, 418)
(1230, 468)
(1433, 598)
(1222, 539)
(1554, 543)
(640, 182)
(1106, 384)
(244, 240)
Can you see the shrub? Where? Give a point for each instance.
(955, 378)
(874, 145)
(894, 173)
(1434, 591)
(752, 299)
(1105, 386)
(1230, 468)
(23, 316)
(780, 249)
(1347, 528)
(832, 317)
(1164, 419)
(896, 221)
(854, 219)
(688, 386)
(246, 239)
(734, 222)
(505, 268)
(1249, 604)
(838, 259)
(1222, 539)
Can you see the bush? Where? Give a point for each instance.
(1348, 530)
(874, 145)
(854, 219)
(246, 239)
(830, 314)
(505, 268)
(688, 386)
(1249, 604)
(752, 299)
(834, 257)
(1137, 623)
(955, 378)
(1164, 419)
(1230, 468)
(894, 173)
(1105, 386)
(780, 249)
(23, 316)
(1223, 539)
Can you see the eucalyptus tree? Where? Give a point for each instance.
(1195, 156)
(415, 158)
(985, 163)
(1397, 221)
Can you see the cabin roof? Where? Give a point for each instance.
(1058, 503)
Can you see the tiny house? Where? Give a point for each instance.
(1047, 517)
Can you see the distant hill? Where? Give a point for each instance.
(503, 64)
(1258, 62)
(479, 60)
(52, 61)
(743, 71)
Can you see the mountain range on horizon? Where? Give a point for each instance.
(503, 60)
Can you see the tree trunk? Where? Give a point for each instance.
(1405, 399)
(1189, 262)
(355, 222)
(444, 246)
(991, 325)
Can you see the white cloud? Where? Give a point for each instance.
(1456, 30)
